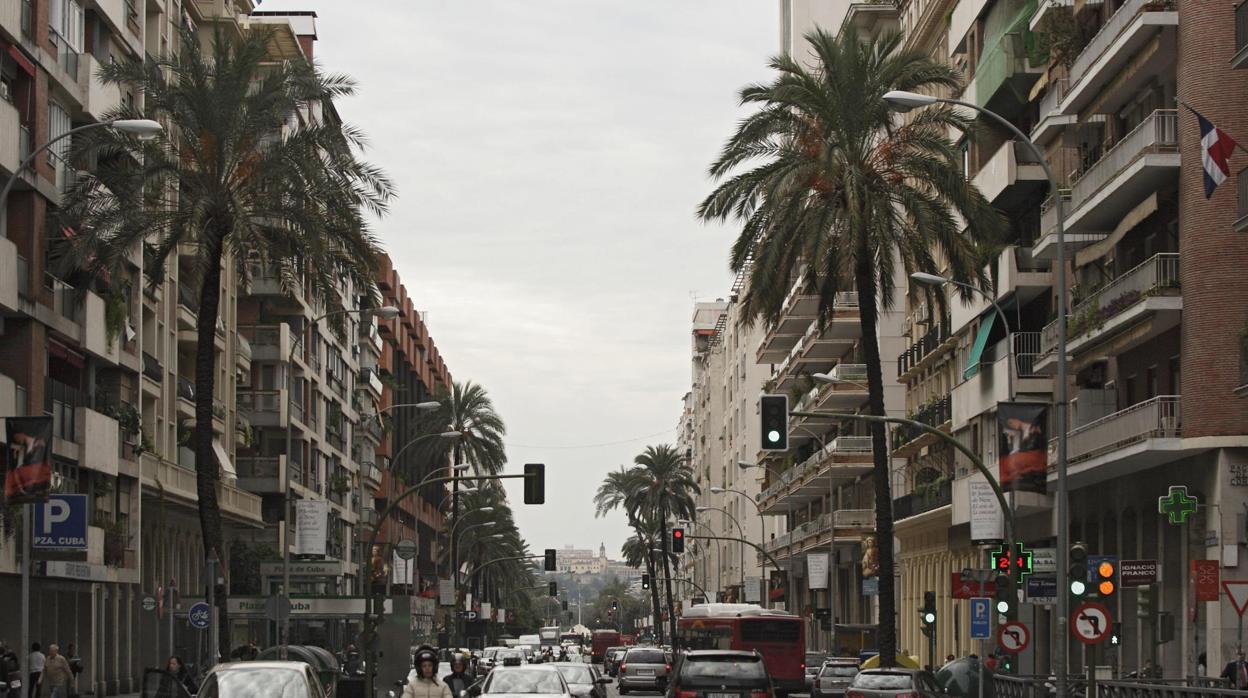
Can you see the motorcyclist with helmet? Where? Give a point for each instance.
(425, 683)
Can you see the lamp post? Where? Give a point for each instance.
(144, 129)
(455, 544)
(741, 565)
(762, 521)
(383, 312)
(909, 100)
(719, 564)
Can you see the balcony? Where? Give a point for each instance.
(99, 99)
(796, 314)
(1012, 164)
(152, 368)
(1052, 120)
(268, 342)
(817, 350)
(909, 440)
(1136, 166)
(850, 525)
(1141, 436)
(188, 307)
(99, 438)
(990, 385)
(843, 458)
(11, 289)
(373, 380)
(1004, 74)
(1111, 55)
(1241, 36)
(925, 351)
(1137, 306)
(242, 353)
(262, 474)
(923, 499)
(262, 408)
(10, 144)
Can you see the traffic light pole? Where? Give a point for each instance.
(756, 546)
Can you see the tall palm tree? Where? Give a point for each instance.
(618, 490)
(232, 180)
(639, 550)
(822, 177)
(666, 489)
(466, 407)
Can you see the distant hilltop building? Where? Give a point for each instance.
(582, 560)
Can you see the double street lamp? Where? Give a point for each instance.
(905, 101)
(740, 530)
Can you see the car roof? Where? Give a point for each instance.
(894, 670)
(528, 667)
(698, 654)
(264, 664)
(842, 660)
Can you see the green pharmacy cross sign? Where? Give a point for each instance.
(1177, 506)
(1014, 560)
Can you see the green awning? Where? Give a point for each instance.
(981, 343)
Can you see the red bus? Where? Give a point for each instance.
(777, 635)
(602, 639)
(628, 640)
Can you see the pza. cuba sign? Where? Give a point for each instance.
(61, 523)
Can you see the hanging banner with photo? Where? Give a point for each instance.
(1024, 446)
(777, 587)
(311, 527)
(28, 470)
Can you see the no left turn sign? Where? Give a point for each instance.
(1091, 623)
(1013, 637)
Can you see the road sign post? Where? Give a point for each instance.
(981, 618)
(1013, 637)
(1091, 623)
(1237, 592)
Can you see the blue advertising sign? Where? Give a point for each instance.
(61, 523)
(198, 615)
(981, 618)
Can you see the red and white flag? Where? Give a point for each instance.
(1215, 153)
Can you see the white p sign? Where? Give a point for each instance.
(56, 511)
(61, 523)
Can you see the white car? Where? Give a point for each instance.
(524, 681)
(269, 679)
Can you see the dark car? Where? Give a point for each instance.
(890, 683)
(583, 679)
(611, 660)
(834, 677)
(720, 674)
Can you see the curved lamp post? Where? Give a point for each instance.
(741, 563)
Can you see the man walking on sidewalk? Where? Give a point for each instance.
(35, 663)
(56, 673)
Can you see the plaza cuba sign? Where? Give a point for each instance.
(61, 523)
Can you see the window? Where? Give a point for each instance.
(58, 125)
(65, 18)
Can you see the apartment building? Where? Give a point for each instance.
(724, 412)
(1151, 291)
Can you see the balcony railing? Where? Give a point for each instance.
(152, 368)
(932, 414)
(1052, 99)
(1160, 417)
(849, 373)
(258, 466)
(66, 57)
(1026, 351)
(1159, 132)
(23, 277)
(922, 500)
(186, 389)
(925, 345)
(256, 401)
(187, 298)
(1158, 273)
(1104, 38)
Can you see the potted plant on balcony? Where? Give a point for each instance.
(340, 484)
(116, 539)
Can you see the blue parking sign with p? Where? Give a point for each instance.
(981, 618)
(61, 523)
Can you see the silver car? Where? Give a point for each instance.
(644, 668)
(262, 680)
(834, 677)
(528, 680)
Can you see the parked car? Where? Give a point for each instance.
(894, 683)
(644, 668)
(261, 679)
(834, 677)
(583, 680)
(707, 673)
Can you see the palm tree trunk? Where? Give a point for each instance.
(207, 471)
(654, 594)
(667, 579)
(880, 475)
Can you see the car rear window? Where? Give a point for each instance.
(255, 683)
(734, 668)
(839, 670)
(885, 680)
(644, 657)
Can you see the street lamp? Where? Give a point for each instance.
(740, 530)
(761, 519)
(905, 101)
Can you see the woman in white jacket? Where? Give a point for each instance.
(426, 683)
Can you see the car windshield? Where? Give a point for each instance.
(644, 657)
(575, 674)
(723, 668)
(524, 681)
(257, 682)
(882, 680)
(839, 670)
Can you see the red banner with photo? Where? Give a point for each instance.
(28, 459)
(1024, 446)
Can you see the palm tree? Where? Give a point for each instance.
(639, 550)
(665, 490)
(467, 408)
(226, 180)
(822, 178)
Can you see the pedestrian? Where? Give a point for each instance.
(949, 658)
(425, 684)
(458, 680)
(1202, 664)
(35, 661)
(1150, 670)
(1236, 672)
(75, 665)
(175, 666)
(56, 673)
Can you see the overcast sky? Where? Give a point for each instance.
(549, 155)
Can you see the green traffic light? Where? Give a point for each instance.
(929, 617)
(1078, 587)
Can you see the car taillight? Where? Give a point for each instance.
(667, 667)
(686, 694)
(803, 667)
(623, 667)
(855, 694)
(759, 694)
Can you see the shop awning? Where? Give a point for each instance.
(981, 343)
(223, 459)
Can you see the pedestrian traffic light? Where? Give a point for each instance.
(1005, 664)
(1106, 579)
(1115, 635)
(1078, 571)
(551, 560)
(678, 540)
(1144, 602)
(774, 413)
(645, 581)
(553, 588)
(534, 483)
(1004, 594)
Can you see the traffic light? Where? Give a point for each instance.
(774, 414)
(678, 540)
(1115, 635)
(1078, 570)
(564, 604)
(615, 604)
(1106, 579)
(550, 565)
(645, 581)
(534, 483)
(1144, 602)
(1004, 594)
(1005, 663)
(553, 588)
(929, 612)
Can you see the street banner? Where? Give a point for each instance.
(987, 522)
(778, 585)
(402, 570)
(502, 615)
(446, 592)
(311, 527)
(753, 589)
(1023, 445)
(485, 610)
(28, 469)
(817, 570)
